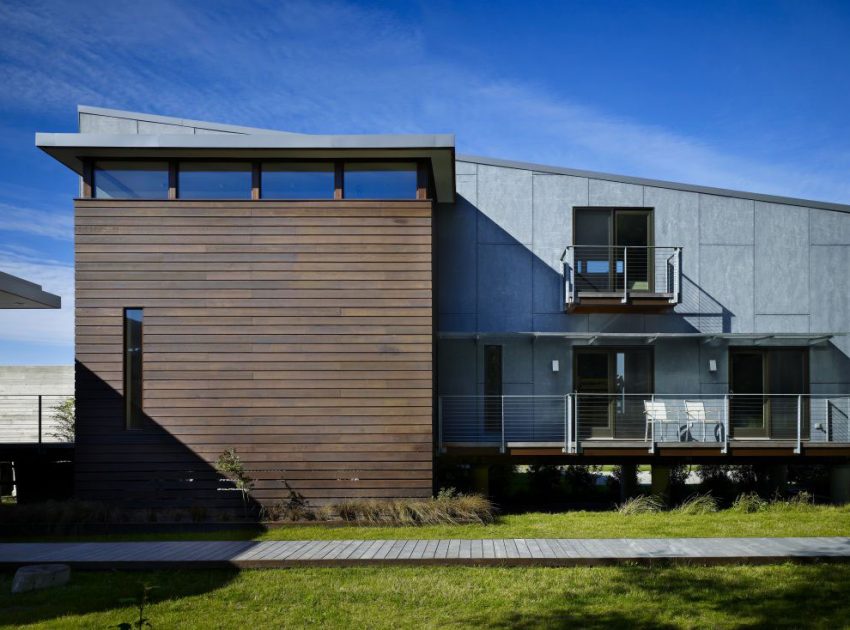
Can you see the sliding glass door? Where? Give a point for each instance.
(613, 249)
(764, 384)
(615, 382)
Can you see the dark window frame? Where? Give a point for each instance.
(132, 423)
(423, 168)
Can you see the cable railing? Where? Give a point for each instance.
(622, 271)
(32, 419)
(571, 419)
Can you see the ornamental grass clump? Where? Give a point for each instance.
(447, 508)
(697, 504)
(643, 504)
(749, 503)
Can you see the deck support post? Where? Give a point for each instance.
(481, 479)
(661, 481)
(628, 481)
(839, 483)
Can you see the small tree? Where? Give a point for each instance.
(233, 469)
(65, 415)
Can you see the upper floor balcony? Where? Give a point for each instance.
(622, 278)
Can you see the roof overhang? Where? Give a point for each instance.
(19, 293)
(651, 338)
(72, 148)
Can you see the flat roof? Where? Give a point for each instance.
(230, 141)
(16, 293)
(655, 183)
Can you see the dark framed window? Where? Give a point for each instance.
(379, 180)
(297, 180)
(214, 180)
(492, 388)
(133, 369)
(130, 179)
(614, 247)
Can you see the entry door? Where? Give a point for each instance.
(615, 378)
(593, 376)
(747, 384)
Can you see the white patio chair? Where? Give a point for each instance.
(695, 412)
(656, 414)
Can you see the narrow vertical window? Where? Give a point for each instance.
(493, 388)
(133, 368)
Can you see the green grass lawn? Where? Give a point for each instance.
(776, 521)
(792, 596)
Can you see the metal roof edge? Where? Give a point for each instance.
(655, 183)
(244, 141)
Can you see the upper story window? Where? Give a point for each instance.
(380, 180)
(297, 180)
(130, 179)
(214, 180)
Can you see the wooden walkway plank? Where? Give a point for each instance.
(561, 552)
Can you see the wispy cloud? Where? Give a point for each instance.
(340, 67)
(49, 223)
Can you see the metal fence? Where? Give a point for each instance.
(569, 420)
(603, 269)
(30, 419)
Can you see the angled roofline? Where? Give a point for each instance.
(25, 294)
(180, 122)
(655, 183)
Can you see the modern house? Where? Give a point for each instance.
(347, 312)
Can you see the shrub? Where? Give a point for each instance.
(697, 504)
(65, 415)
(233, 469)
(749, 503)
(643, 504)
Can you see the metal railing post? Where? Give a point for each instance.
(625, 274)
(652, 443)
(39, 418)
(725, 448)
(567, 436)
(502, 449)
(575, 424)
(677, 277)
(799, 448)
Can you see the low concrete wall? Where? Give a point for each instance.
(20, 387)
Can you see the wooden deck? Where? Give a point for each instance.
(502, 552)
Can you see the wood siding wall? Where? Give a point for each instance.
(298, 333)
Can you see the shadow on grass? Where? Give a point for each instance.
(94, 592)
(785, 596)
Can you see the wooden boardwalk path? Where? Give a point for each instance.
(498, 551)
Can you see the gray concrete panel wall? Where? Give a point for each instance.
(747, 267)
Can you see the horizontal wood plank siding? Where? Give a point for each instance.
(298, 333)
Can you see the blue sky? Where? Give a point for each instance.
(749, 95)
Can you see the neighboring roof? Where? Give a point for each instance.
(19, 293)
(656, 183)
(119, 134)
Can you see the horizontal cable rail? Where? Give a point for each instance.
(622, 271)
(568, 420)
(31, 418)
